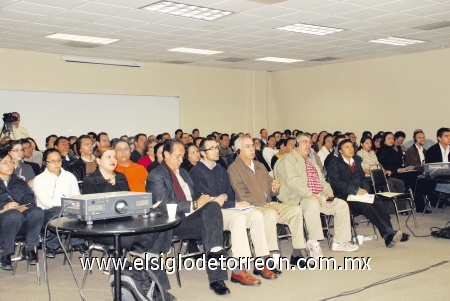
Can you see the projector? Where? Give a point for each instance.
(437, 169)
(101, 206)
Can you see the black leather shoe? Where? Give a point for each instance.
(389, 240)
(82, 248)
(50, 253)
(405, 237)
(217, 254)
(5, 263)
(31, 256)
(219, 287)
(298, 261)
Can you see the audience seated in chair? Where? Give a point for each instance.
(52, 184)
(212, 179)
(27, 219)
(254, 186)
(346, 177)
(303, 185)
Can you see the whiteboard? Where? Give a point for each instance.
(74, 114)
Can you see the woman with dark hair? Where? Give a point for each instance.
(367, 133)
(105, 178)
(376, 143)
(326, 149)
(191, 157)
(392, 160)
(22, 170)
(52, 184)
(369, 159)
(319, 143)
(149, 152)
(33, 144)
(158, 149)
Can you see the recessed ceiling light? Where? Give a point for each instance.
(310, 29)
(278, 60)
(185, 10)
(397, 41)
(85, 39)
(195, 50)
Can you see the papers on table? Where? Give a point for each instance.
(363, 198)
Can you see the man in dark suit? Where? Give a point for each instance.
(200, 218)
(347, 177)
(440, 151)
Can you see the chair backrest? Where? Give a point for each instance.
(379, 181)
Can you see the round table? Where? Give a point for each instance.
(117, 227)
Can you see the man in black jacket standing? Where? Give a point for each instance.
(21, 215)
(347, 177)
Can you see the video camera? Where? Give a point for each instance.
(9, 118)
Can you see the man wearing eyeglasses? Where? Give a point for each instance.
(254, 186)
(21, 214)
(29, 154)
(212, 179)
(304, 185)
(201, 217)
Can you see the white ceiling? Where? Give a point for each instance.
(248, 34)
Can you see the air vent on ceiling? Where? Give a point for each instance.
(178, 62)
(326, 59)
(82, 45)
(232, 59)
(432, 26)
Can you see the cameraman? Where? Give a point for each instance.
(18, 132)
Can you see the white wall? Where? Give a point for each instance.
(210, 98)
(402, 92)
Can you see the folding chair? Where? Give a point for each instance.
(20, 245)
(354, 224)
(383, 192)
(177, 253)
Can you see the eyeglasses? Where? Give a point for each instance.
(7, 162)
(214, 148)
(249, 146)
(54, 161)
(17, 150)
(87, 144)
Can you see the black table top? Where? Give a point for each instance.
(129, 225)
(441, 179)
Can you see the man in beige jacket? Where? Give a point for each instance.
(303, 184)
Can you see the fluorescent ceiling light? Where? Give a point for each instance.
(310, 29)
(397, 41)
(195, 50)
(278, 60)
(185, 10)
(85, 39)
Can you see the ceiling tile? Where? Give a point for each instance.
(101, 9)
(37, 9)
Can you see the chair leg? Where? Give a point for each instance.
(427, 204)
(177, 253)
(396, 213)
(250, 243)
